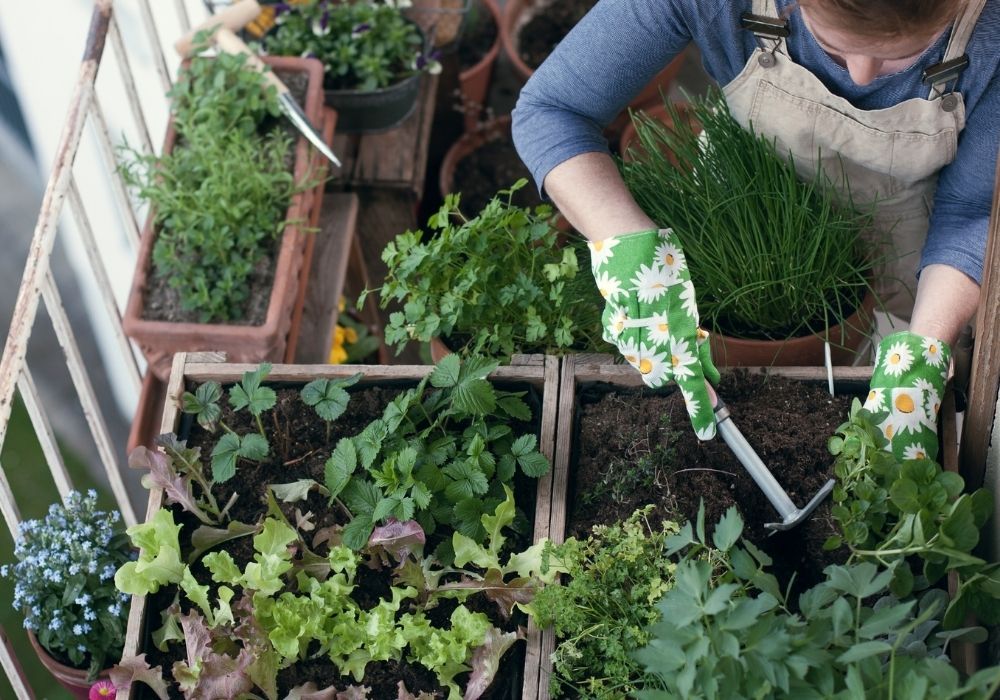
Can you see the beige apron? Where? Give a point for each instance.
(889, 157)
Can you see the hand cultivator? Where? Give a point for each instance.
(779, 498)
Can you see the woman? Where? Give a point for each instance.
(899, 97)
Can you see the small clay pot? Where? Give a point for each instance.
(474, 82)
(74, 680)
(803, 351)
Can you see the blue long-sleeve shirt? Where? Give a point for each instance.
(621, 44)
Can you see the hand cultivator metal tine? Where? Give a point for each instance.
(790, 514)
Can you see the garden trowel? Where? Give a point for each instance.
(223, 25)
(790, 514)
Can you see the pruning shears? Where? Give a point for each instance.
(223, 25)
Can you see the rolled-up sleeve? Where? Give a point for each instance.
(589, 78)
(961, 215)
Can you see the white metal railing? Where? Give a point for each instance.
(87, 115)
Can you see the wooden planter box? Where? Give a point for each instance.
(579, 371)
(161, 339)
(538, 371)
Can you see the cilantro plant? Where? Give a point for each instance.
(220, 197)
(441, 456)
(363, 44)
(913, 516)
(601, 615)
(495, 284)
(726, 630)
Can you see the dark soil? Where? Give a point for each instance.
(637, 448)
(490, 168)
(163, 302)
(551, 22)
(478, 37)
(299, 448)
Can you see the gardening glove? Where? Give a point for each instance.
(906, 389)
(651, 316)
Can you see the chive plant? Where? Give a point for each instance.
(772, 256)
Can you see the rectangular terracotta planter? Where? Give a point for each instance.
(159, 340)
(581, 371)
(189, 369)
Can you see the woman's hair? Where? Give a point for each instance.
(887, 18)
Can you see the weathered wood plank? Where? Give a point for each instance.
(327, 276)
(200, 367)
(984, 383)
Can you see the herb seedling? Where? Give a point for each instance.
(329, 398)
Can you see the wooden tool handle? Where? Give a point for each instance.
(234, 18)
(230, 43)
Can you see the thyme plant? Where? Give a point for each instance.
(220, 197)
(771, 256)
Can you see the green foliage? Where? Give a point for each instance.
(602, 614)
(770, 256)
(220, 197)
(911, 514)
(364, 45)
(441, 456)
(159, 560)
(500, 283)
(63, 581)
(725, 631)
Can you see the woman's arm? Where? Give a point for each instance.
(590, 193)
(946, 300)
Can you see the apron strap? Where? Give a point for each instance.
(767, 8)
(961, 32)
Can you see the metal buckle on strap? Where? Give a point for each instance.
(766, 29)
(940, 75)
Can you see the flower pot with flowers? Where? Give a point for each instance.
(372, 53)
(64, 582)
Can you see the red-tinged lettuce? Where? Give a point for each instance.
(486, 661)
(207, 674)
(159, 560)
(399, 539)
(135, 669)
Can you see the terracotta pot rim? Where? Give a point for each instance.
(491, 56)
(511, 12)
(144, 330)
(468, 142)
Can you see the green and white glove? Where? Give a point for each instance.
(906, 390)
(651, 316)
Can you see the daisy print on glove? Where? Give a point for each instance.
(650, 315)
(906, 389)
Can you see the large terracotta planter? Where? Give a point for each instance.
(160, 339)
(474, 82)
(74, 680)
(798, 352)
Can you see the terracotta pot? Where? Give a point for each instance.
(657, 110)
(493, 130)
(439, 350)
(74, 680)
(444, 20)
(160, 339)
(517, 13)
(804, 351)
(474, 82)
